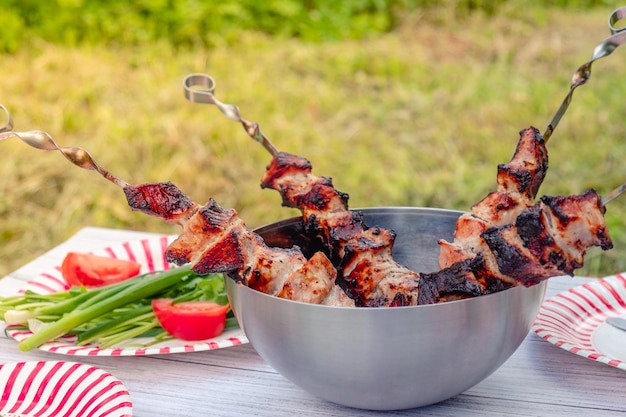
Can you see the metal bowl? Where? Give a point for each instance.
(386, 358)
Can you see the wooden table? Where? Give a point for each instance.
(538, 380)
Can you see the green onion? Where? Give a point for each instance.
(112, 314)
(111, 326)
(108, 299)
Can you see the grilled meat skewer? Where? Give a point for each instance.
(497, 232)
(550, 238)
(216, 240)
(367, 271)
(325, 214)
(518, 182)
(547, 239)
(324, 208)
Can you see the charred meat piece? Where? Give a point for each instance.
(370, 275)
(518, 181)
(292, 176)
(455, 282)
(549, 239)
(214, 240)
(163, 200)
(373, 279)
(527, 169)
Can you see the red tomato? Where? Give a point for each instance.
(85, 269)
(190, 320)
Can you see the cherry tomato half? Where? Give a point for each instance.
(85, 269)
(190, 320)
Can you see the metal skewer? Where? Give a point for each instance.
(613, 194)
(43, 141)
(199, 88)
(583, 73)
(8, 125)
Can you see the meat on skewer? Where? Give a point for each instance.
(518, 183)
(325, 214)
(367, 271)
(324, 208)
(371, 276)
(513, 235)
(549, 238)
(486, 239)
(216, 240)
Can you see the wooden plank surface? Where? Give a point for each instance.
(538, 380)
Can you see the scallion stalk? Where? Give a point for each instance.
(106, 300)
(89, 335)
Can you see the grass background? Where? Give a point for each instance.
(415, 113)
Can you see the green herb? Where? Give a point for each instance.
(111, 314)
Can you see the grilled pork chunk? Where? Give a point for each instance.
(549, 239)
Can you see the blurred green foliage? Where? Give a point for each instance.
(205, 23)
(401, 102)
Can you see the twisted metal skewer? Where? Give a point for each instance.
(199, 88)
(613, 194)
(583, 73)
(43, 141)
(8, 125)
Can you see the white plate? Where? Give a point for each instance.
(61, 389)
(150, 253)
(575, 320)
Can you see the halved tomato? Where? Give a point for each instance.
(190, 320)
(86, 269)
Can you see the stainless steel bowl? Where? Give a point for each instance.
(386, 358)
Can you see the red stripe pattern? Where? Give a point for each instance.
(575, 319)
(61, 389)
(150, 253)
